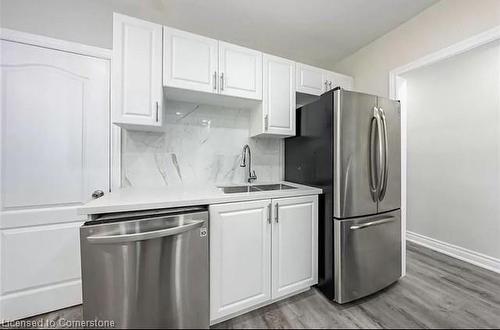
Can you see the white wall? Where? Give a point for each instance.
(453, 178)
(85, 21)
(439, 26)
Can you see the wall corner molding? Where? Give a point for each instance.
(472, 257)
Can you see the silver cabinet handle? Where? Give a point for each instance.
(109, 239)
(372, 223)
(222, 81)
(276, 216)
(269, 213)
(266, 122)
(215, 80)
(383, 188)
(156, 111)
(330, 84)
(326, 85)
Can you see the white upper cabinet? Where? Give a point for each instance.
(277, 114)
(190, 61)
(310, 80)
(151, 62)
(334, 79)
(137, 73)
(294, 244)
(240, 71)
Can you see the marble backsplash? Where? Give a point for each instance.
(199, 144)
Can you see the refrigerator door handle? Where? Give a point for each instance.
(386, 161)
(380, 176)
(371, 156)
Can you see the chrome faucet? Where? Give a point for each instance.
(251, 174)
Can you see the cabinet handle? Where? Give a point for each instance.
(266, 122)
(269, 213)
(222, 81)
(330, 84)
(215, 80)
(156, 111)
(277, 217)
(326, 85)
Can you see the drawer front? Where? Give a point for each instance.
(367, 255)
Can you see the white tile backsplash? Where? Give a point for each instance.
(198, 144)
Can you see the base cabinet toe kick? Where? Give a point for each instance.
(260, 252)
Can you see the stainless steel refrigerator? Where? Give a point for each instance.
(349, 144)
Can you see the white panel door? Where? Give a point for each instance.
(338, 80)
(310, 80)
(240, 71)
(137, 72)
(294, 244)
(279, 95)
(240, 256)
(190, 61)
(54, 153)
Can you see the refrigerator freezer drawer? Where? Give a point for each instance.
(367, 254)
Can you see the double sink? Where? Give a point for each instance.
(254, 188)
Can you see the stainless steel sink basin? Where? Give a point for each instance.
(236, 189)
(254, 188)
(277, 186)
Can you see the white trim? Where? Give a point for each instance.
(56, 44)
(458, 48)
(397, 83)
(472, 257)
(116, 157)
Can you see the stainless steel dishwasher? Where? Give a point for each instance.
(147, 269)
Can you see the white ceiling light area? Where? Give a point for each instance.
(317, 32)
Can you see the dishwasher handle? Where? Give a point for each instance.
(124, 238)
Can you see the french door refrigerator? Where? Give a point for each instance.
(349, 144)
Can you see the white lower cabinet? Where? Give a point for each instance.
(240, 256)
(294, 244)
(261, 251)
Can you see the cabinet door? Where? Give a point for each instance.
(310, 80)
(294, 244)
(240, 71)
(137, 68)
(190, 61)
(240, 256)
(279, 96)
(338, 80)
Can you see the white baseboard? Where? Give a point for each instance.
(457, 252)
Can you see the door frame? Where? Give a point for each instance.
(115, 135)
(397, 90)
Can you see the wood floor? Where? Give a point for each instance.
(438, 292)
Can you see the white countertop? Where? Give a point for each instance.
(133, 199)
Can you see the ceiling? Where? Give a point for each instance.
(317, 32)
